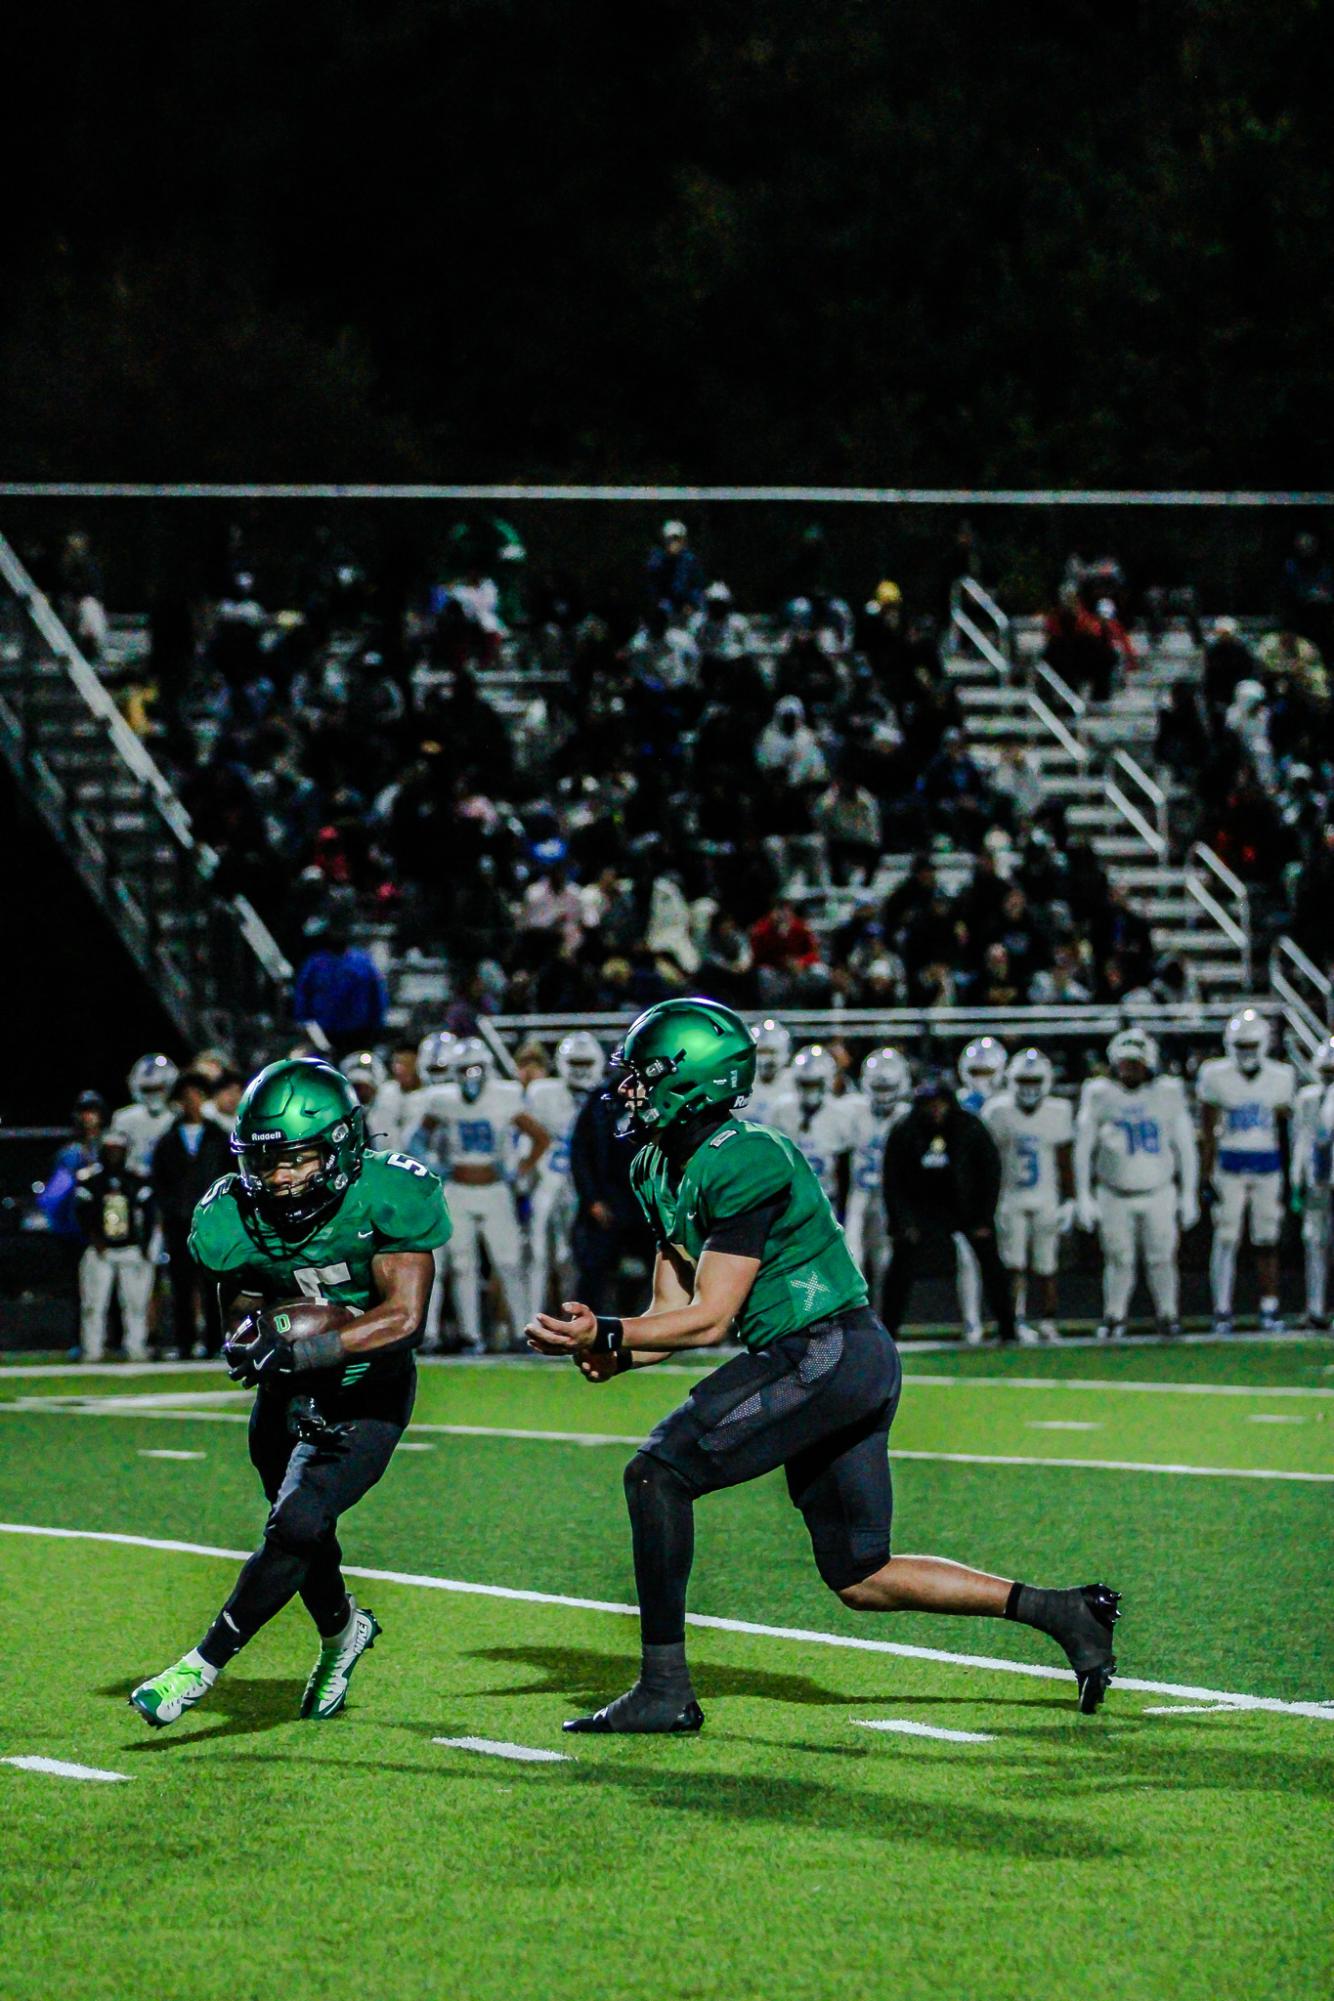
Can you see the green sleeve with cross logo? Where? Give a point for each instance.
(806, 1272)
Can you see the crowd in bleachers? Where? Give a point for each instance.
(674, 777)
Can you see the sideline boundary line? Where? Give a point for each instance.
(1322, 1712)
(130, 1407)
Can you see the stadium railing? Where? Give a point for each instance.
(211, 960)
(1306, 994)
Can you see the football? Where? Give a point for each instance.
(294, 1319)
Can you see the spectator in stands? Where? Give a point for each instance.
(1062, 984)
(718, 629)
(932, 938)
(979, 904)
(340, 987)
(675, 579)
(1227, 660)
(1182, 743)
(1314, 901)
(956, 793)
(1248, 720)
(786, 956)
(1292, 654)
(917, 892)
(1123, 936)
(1016, 782)
(1308, 591)
(1247, 831)
(187, 1160)
(551, 903)
(727, 964)
(789, 755)
(1023, 935)
(998, 986)
(849, 818)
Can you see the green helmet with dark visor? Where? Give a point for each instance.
(682, 1057)
(291, 1108)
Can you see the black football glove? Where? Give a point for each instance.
(256, 1354)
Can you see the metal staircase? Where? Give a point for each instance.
(1090, 757)
(211, 962)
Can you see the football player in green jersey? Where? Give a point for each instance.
(312, 1216)
(748, 1244)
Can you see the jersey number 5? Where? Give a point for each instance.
(405, 1160)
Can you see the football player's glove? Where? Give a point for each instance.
(255, 1352)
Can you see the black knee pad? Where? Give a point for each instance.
(850, 1561)
(298, 1523)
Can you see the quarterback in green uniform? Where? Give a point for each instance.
(311, 1215)
(748, 1245)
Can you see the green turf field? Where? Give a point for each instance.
(1176, 1845)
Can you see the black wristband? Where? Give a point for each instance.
(610, 1335)
(317, 1351)
(625, 1359)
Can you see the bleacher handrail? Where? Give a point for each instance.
(960, 1022)
(1310, 1023)
(1153, 833)
(1237, 928)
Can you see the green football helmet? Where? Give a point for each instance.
(294, 1107)
(683, 1056)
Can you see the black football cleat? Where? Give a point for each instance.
(638, 1714)
(1083, 1625)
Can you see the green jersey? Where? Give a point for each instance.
(806, 1270)
(395, 1204)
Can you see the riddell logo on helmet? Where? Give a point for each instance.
(265, 1139)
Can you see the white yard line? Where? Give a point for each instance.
(490, 1747)
(129, 1407)
(1063, 1424)
(166, 1452)
(1274, 1417)
(902, 1728)
(1100, 1384)
(59, 1769)
(1321, 1711)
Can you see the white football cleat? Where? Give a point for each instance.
(972, 1334)
(326, 1691)
(1050, 1332)
(1027, 1337)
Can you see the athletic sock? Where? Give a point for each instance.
(1269, 1304)
(335, 1628)
(195, 1659)
(220, 1644)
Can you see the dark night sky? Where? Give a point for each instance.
(992, 244)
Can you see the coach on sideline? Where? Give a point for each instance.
(942, 1179)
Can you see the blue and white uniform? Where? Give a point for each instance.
(1028, 1214)
(1248, 1169)
(1136, 1175)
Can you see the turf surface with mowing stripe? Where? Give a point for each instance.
(786, 1850)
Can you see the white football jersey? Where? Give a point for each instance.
(1248, 1109)
(396, 1114)
(822, 1137)
(143, 1128)
(870, 1129)
(1135, 1139)
(476, 1134)
(972, 1097)
(1028, 1142)
(764, 1099)
(554, 1105)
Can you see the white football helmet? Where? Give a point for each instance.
(885, 1078)
(1323, 1062)
(1246, 1040)
(150, 1081)
(1132, 1045)
(365, 1073)
(813, 1073)
(580, 1061)
(773, 1051)
(982, 1066)
(435, 1055)
(1030, 1077)
(472, 1067)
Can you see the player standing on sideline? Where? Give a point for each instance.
(747, 1243)
(555, 1104)
(396, 1105)
(1245, 1098)
(114, 1208)
(470, 1122)
(413, 1116)
(773, 1081)
(1312, 1167)
(149, 1114)
(821, 1124)
(368, 1077)
(1136, 1177)
(886, 1084)
(981, 1076)
(1035, 1134)
(310, 1216)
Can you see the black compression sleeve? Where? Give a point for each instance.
(746, 1235)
